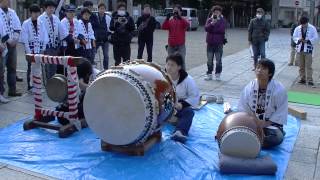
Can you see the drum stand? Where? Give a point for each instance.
(133, 150)
(43, 116)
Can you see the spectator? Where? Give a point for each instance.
(101, 33)
(34, 37)
(177, 27)
(12, 26)
(293, 46)
(53, 28)
(258, 35)
(146, 25)
(305, 36)
(86, 36)
(123, 26)
(215, 28)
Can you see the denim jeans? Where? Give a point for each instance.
(180, 50)
(105, 49)
(10, 61)
(259, 49)
(211, 52)
(272, 137)
(141, 44)
(185, 117)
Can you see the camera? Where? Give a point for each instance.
(175, 13)
(215, 17)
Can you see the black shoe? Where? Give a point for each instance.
(302, 81)
(310, 83)
(19, 79)
(14, 94)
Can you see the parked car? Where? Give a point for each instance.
(189, 13)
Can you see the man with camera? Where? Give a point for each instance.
(215, 28)
(123, 26)
(177, 27)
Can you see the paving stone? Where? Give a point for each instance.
(299, 171)
(10, 174)
(304, 155)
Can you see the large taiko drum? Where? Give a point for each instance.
(126, 104)
(240, 135)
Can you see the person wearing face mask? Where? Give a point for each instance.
(12, 26)
(258, 34)
(215, 28)
(305, 36)
(146, 25)
(177, 26)
(122, 26)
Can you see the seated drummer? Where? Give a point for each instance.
(84, 71)
(267, 99)
(187, 94)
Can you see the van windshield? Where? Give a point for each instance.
(193, 13)
(170, 11)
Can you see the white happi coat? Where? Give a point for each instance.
(88, 34)
(276, 102)
(53, 31)
(34, 41)
(11, 23)
(65, 30)
(188, 91)
(311, 35)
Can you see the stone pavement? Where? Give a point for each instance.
(305, 160)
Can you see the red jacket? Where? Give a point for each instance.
(177, 31)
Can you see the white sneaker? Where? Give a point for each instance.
(3, 99)
(218, 77)
(178, 136)
(208, 77)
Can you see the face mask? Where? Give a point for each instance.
(121, 12)
(259, 16)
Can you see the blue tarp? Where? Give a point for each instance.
(80, 156)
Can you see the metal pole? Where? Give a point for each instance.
(312, 7)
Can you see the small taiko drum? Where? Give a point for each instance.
(126, 104)
(240, 135)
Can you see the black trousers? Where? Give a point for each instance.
(121, 53)
(142, 42)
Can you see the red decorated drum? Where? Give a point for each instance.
(126, 104)
(240, 135)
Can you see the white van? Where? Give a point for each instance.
(189, 13)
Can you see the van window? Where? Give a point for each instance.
(184, 13)
(193, 13)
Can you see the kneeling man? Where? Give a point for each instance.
(267, 99)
